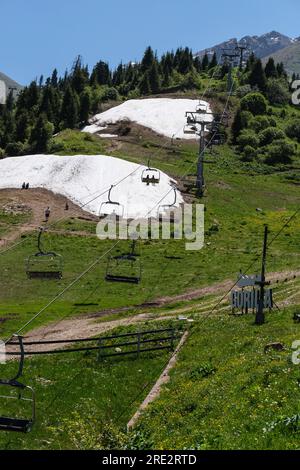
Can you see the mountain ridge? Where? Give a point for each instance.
(262, 46)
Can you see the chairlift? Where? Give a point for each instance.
(162, 209)
(150, 175)
(201, 108)
(190, 129)
(44, 264)
(111, 207)
(125, 268)
(20, 394)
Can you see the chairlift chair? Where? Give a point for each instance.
(162, 209)
(44, 264)
(125, 268)
(201, 108)
(190, 129)
(150, 175)
(111, 207)
(21, 394)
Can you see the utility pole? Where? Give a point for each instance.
(260, 315)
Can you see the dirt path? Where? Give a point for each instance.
(88, 326)
(163, 379)
(36, 201)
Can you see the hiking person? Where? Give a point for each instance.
(47, 214)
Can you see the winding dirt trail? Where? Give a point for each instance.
(36, 201)
(89, 326)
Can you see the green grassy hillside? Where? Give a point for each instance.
(225, 393)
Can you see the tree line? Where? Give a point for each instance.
(50, 105)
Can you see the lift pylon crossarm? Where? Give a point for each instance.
(195, 118)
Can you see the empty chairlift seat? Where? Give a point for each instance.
(44, 264)
(124, 268)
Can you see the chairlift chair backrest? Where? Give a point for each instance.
(150, 175)
(163, 208)
(111, 207)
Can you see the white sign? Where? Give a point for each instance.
(249, 299)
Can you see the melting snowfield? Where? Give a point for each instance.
(166, 116)
(83, 178)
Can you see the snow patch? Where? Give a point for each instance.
(82, 178)
(166, 116)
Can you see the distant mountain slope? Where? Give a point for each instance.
(290, 56)
(262, 46)
(8, 83)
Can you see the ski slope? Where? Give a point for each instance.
(166, 116)
(83, 178)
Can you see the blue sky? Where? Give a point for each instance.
(38, 35)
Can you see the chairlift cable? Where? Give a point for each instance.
(208, 315)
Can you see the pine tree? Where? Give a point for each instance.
(10, 101)
(54, 78)
(214, 61)
(185, 64)
(144, 86)
(101, 74)
(270, 69)
(69, 110)
(79, 78)
(205, 62)
(250, 62)
(148, 60)
(237, 125)
(154, 79)
(198, 64)
(257, 77)
(41, 135)
(22, 127)
(281, 70)
(119, 75)
(85, 106)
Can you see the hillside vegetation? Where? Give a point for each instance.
(225, 392)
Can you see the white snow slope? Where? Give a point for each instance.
(82, 178)
(166, 116)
